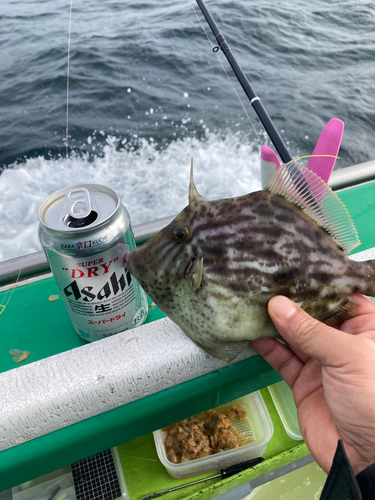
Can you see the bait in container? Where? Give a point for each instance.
(257, 431)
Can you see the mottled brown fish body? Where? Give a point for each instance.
(253, 248)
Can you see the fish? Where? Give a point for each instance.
(214, 268)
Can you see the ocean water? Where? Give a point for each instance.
(146, 93)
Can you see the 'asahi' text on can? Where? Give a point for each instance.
(85, 232)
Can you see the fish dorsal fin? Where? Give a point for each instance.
(305, 189)
(193, 192)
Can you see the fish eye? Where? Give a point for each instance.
(181, 234)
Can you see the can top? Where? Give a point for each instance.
(78, 207)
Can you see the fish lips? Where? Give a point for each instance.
(127, 260)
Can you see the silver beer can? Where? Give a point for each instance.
(85, 232)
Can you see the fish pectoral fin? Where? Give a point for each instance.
(196, 279)
(227, 352)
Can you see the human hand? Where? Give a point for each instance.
(332, 375)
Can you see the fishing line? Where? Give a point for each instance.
(7, 299)
(215, 49)
(4, 306)
(67, 79)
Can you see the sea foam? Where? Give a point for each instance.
(151, 182)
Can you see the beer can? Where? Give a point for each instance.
(85, 232)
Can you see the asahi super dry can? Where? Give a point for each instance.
(85, 232)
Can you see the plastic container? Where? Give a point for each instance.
(53, 485)
(282, 397)
(59, 484)
(258, 429)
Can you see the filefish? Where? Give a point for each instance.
(215, 267)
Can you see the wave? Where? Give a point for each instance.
(151, 183)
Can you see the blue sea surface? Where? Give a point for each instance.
(146, 92)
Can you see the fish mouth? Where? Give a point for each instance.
(127, 260)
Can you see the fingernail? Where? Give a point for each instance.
(282, 307)
(358, 298)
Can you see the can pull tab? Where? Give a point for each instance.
(79, 203)
(80, 213)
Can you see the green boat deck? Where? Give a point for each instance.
(30, 322)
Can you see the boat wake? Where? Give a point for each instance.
(151, 182)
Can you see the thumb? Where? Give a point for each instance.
(300, 330)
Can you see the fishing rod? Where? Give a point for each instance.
(255, 101)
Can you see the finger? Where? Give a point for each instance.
(369, 335)
(328, 345)
(360, 324)
(309, 381)
(280, 357)
(364, 319)
(302, 356)
(366, 305)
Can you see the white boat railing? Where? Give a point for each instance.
(352, 176)
(35, 264)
